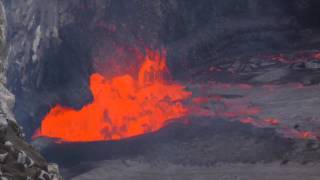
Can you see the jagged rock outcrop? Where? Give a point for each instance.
(18, 159)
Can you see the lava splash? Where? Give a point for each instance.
(123, 106)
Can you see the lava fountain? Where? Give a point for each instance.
(123, 106)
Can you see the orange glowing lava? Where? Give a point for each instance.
(122, 106)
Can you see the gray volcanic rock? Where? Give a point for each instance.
(133, 170)
(18, 159)
(271, 76)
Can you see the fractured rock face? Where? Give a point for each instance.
(22, 157)
(18, 160)
(43, 175)
(53, 168)
(3, 157)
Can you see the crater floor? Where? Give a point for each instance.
(255, 125)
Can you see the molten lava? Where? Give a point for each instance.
(122, 106)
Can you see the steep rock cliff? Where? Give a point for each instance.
(18, 159)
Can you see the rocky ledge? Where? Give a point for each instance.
(18, 159)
